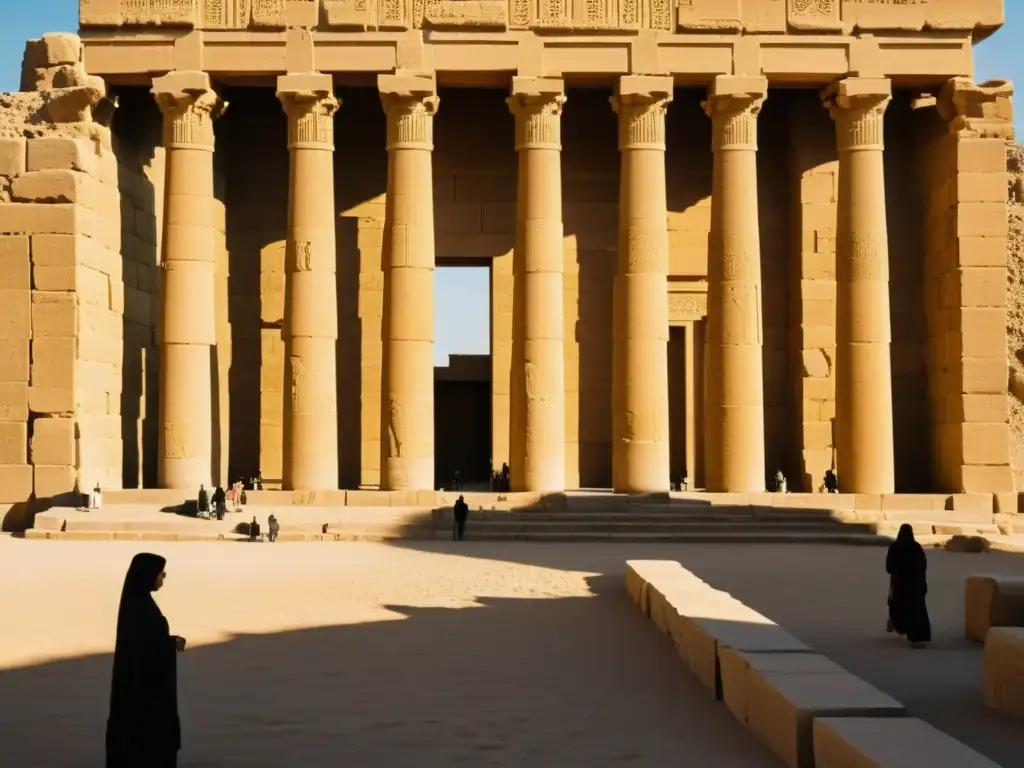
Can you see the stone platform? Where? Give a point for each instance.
(565, 517)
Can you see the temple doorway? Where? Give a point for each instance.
(462, 373)
(685, 396)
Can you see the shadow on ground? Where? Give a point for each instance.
(552, 682)
(832, 598)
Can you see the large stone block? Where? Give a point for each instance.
(54, 481)
(13, 154)
(15, 314)
(53, 442)
(782, 706)
(712, 621)
(1003, 671)
(13, 442)
(883, 742)
(14, 401)
(735, 668)
(639, 575)
(15, 483)
(53, 363)
(54, 313)
(992, 601)
(15, 264)
(14, 360)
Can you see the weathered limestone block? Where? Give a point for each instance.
(54, 481)
(992, 601)
(466, 13)
(882, 742)
(99, 13)
(1003, 671)
(781, 707)
(735, 668)
(14, 401)
(269, 13)
(15, 483)
(53, 442)
(715, 621)
(670, 595)
(13, 442)
(710, 15)
(817, 15)
(54, 313)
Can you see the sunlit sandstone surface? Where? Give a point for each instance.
(433, 654)
(364, 655)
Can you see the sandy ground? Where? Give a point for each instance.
(359, 654)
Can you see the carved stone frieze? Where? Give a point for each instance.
(814, 14)
(466, 13)
(180, 13)
(687, 306)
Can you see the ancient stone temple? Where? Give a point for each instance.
(725, 238)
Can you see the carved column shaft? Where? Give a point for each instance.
(185, 453)
(640, 450)
(864, 421)
(537, 396)
(310, 424)
(734, 435)
(407, 381)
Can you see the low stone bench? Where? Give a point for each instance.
(1002, 670)
(879, 742)
(782, 706)
(640, 574)
(736, 667)
(991, 600)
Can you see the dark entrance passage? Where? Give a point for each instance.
(462, 420)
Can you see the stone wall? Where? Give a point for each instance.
(61, 287)
(1015, 308)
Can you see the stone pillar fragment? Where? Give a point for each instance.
(864, 422)
(310, 419)
(640, 428)
(734, 433)
(407, 375)
(538, 365)
(185, 446)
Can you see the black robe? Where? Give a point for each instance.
(143, 729)
(907, 566)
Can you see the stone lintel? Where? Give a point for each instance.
(538, 87)
(985, 109)
(858, 92)
(735, 93)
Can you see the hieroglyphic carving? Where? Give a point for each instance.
(393, 14)
(466, 13)
(813, 14)
(521, 12)
(706, 15)
(553, 13)
(349, 13)
(659, 14)
(269, 13)
(159, 12)
(687, 306)
(226, 14)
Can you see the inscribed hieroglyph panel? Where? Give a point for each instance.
(725, 15)
(886, 14)
(158, 12)
(226, 14)
(466, 13)
(349, 13)
(269, 13)
(814, 14)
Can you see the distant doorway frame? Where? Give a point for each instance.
(693, 355)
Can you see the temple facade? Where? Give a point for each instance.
(725, 238)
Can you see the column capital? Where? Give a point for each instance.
(410, 102)
(189, 106)
(640, 102)
(733, 104)
(537, 104)
(980, 111)
(857, 105)
(310, 104)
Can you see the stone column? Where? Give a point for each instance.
(538, 365)
(185, 451)
(407, 377)
(640, 455)
(864, 424)
(734, 398)
(310, 448)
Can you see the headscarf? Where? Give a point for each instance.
(906, 534)
(137, 606)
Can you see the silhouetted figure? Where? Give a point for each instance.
(203, 502)
(831, 482)
(272, 528)
(220, 502)
(504, 477)
(907, 567)
(458, 480)
(254, 530)
(781, 484)
(143, 728)
(461, 512)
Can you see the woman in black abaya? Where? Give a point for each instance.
(907, 566)
(143, 730)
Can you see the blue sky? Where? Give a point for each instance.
(461, 295)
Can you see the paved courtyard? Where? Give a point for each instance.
(440, 654)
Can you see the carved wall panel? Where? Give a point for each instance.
(724, 15)
(887, 14)
(687, 306)
(466, 13)
(269, 13)
(521, 13)
(226, 14)
(350, 13)
(159, 12)
(814, 14)
(658, 14)
(394, 14)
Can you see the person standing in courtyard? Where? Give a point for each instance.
(143, 728)
(461, 512)
(907, 566)
(273, 528)
(203, 502)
